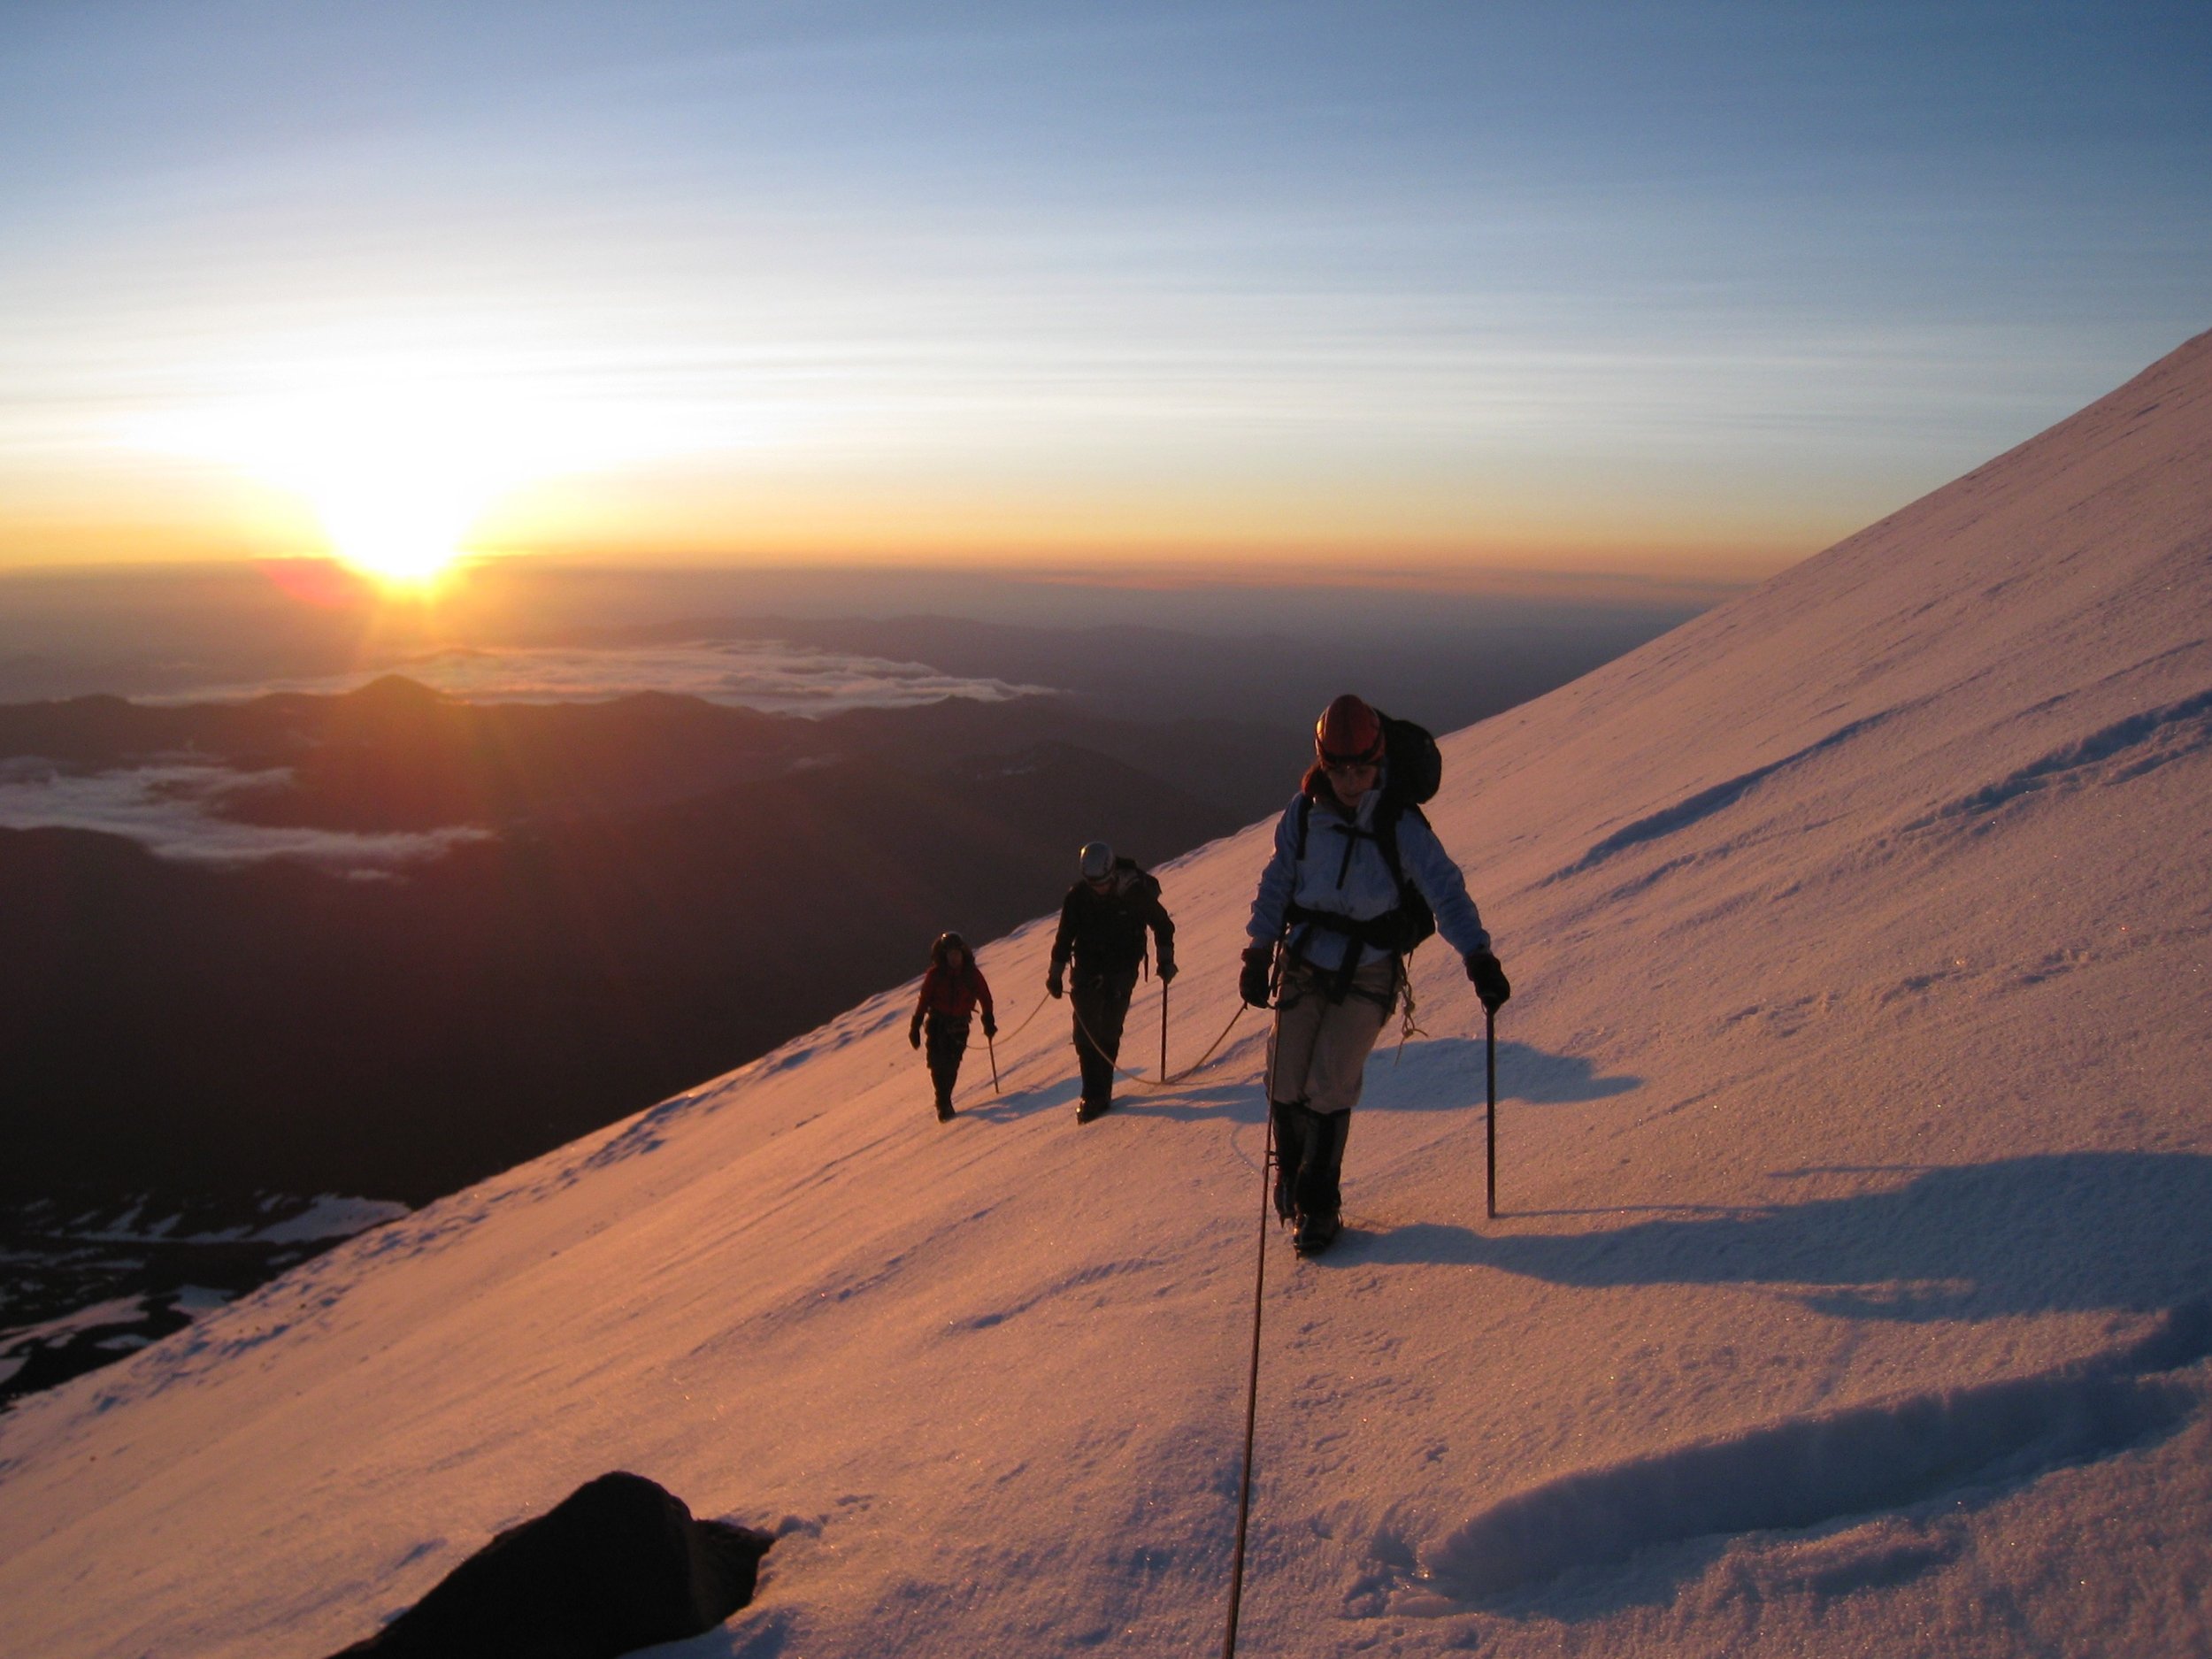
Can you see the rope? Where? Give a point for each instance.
(1042, 998)
(1139, 1078)
(1251, 1403)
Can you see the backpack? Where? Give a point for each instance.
(1411, 762)
(1413, 770)
(1145, 888)
(1121, 925)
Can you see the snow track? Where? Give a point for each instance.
(1928, 1448)
(1718, 798)
(2140, 744)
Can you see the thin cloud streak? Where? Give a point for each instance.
(172, 810)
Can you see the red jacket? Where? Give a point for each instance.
(947, 992)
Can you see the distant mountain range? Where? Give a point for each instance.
(579, 907)
(661, 889)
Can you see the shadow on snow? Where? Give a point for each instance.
(1433, 1074)
(2068, 1231)
(1874, 1491)
(1446, 1074)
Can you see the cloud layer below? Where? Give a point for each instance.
(172, 811)
(765, 675)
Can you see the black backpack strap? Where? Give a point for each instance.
(1388, 815)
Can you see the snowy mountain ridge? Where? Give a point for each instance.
(1847, 1294)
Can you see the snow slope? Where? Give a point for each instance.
(1848, 1295)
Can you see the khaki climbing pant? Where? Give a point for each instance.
(1317, 1054)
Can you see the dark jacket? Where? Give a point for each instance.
(1104, 932)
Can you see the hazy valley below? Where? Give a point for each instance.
(386, 940)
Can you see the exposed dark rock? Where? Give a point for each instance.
(617, 1565)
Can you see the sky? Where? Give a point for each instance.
(1685, 291)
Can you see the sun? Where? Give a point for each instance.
(400, 454)
(395, 472)
(400, 524)
(396, 468)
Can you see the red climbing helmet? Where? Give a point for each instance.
(1349, 733)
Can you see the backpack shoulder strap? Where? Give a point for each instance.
(1389, 813)
(1305, 816)
(1132, 876)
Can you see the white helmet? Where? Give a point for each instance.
(1096, 861)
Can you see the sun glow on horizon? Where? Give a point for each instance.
(399, 465)
(394, 473)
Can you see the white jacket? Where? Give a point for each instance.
(1343, 871)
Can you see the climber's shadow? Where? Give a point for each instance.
(2049, 1233)
(1446, 1073)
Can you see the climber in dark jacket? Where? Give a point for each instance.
(951, 991)
(1102, 923)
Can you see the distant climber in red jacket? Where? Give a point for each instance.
(950, 991)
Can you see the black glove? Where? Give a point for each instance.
(1252, 983)
(1166, 969)
(990, 1027)
(914, 1033)
(1491, 983)
(1052, 983)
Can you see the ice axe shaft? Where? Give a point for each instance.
(1490, 1066)
(1163, 1031)
(990, 1047)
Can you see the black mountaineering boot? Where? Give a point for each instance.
(1315, 1234)
(1290, 1152)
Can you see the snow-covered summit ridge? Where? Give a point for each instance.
(1856, 1180)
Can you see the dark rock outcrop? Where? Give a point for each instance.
(619, 1564)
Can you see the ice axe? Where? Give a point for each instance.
(1490, 1065)
(990, 1047)
(1162, 1031)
